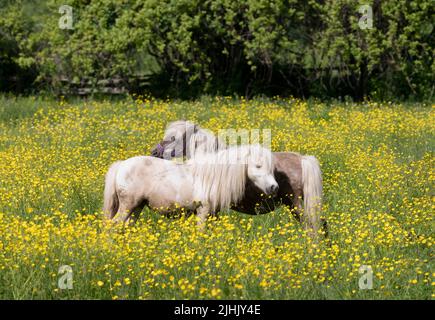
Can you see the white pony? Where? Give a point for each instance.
(206, 184)
(299, 176)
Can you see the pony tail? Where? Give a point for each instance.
(312, 188)
(111, 201)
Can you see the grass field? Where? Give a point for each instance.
(378, 169)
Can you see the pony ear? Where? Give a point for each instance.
(195, 128)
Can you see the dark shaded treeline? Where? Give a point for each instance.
(189, 47)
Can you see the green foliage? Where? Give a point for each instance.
(248, 47)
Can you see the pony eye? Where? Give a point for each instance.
(258, 166)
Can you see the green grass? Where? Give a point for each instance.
(377, 163)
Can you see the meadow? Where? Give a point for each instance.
(378, 173)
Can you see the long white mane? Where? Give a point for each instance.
(220, 177)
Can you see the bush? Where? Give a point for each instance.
(188, 47)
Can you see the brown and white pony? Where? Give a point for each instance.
(299, 176)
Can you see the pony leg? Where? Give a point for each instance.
(297, 205)
(122, 215)
(203, 213)
(299, 213)
(126, 208)
(135, 213)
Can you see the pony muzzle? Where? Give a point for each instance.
(272, 189)
(158, 151)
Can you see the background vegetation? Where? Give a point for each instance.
(189, 47)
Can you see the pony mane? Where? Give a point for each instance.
(220, 177)
(175, 134)
(196, 138)
(202, 141)
(178, 128)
